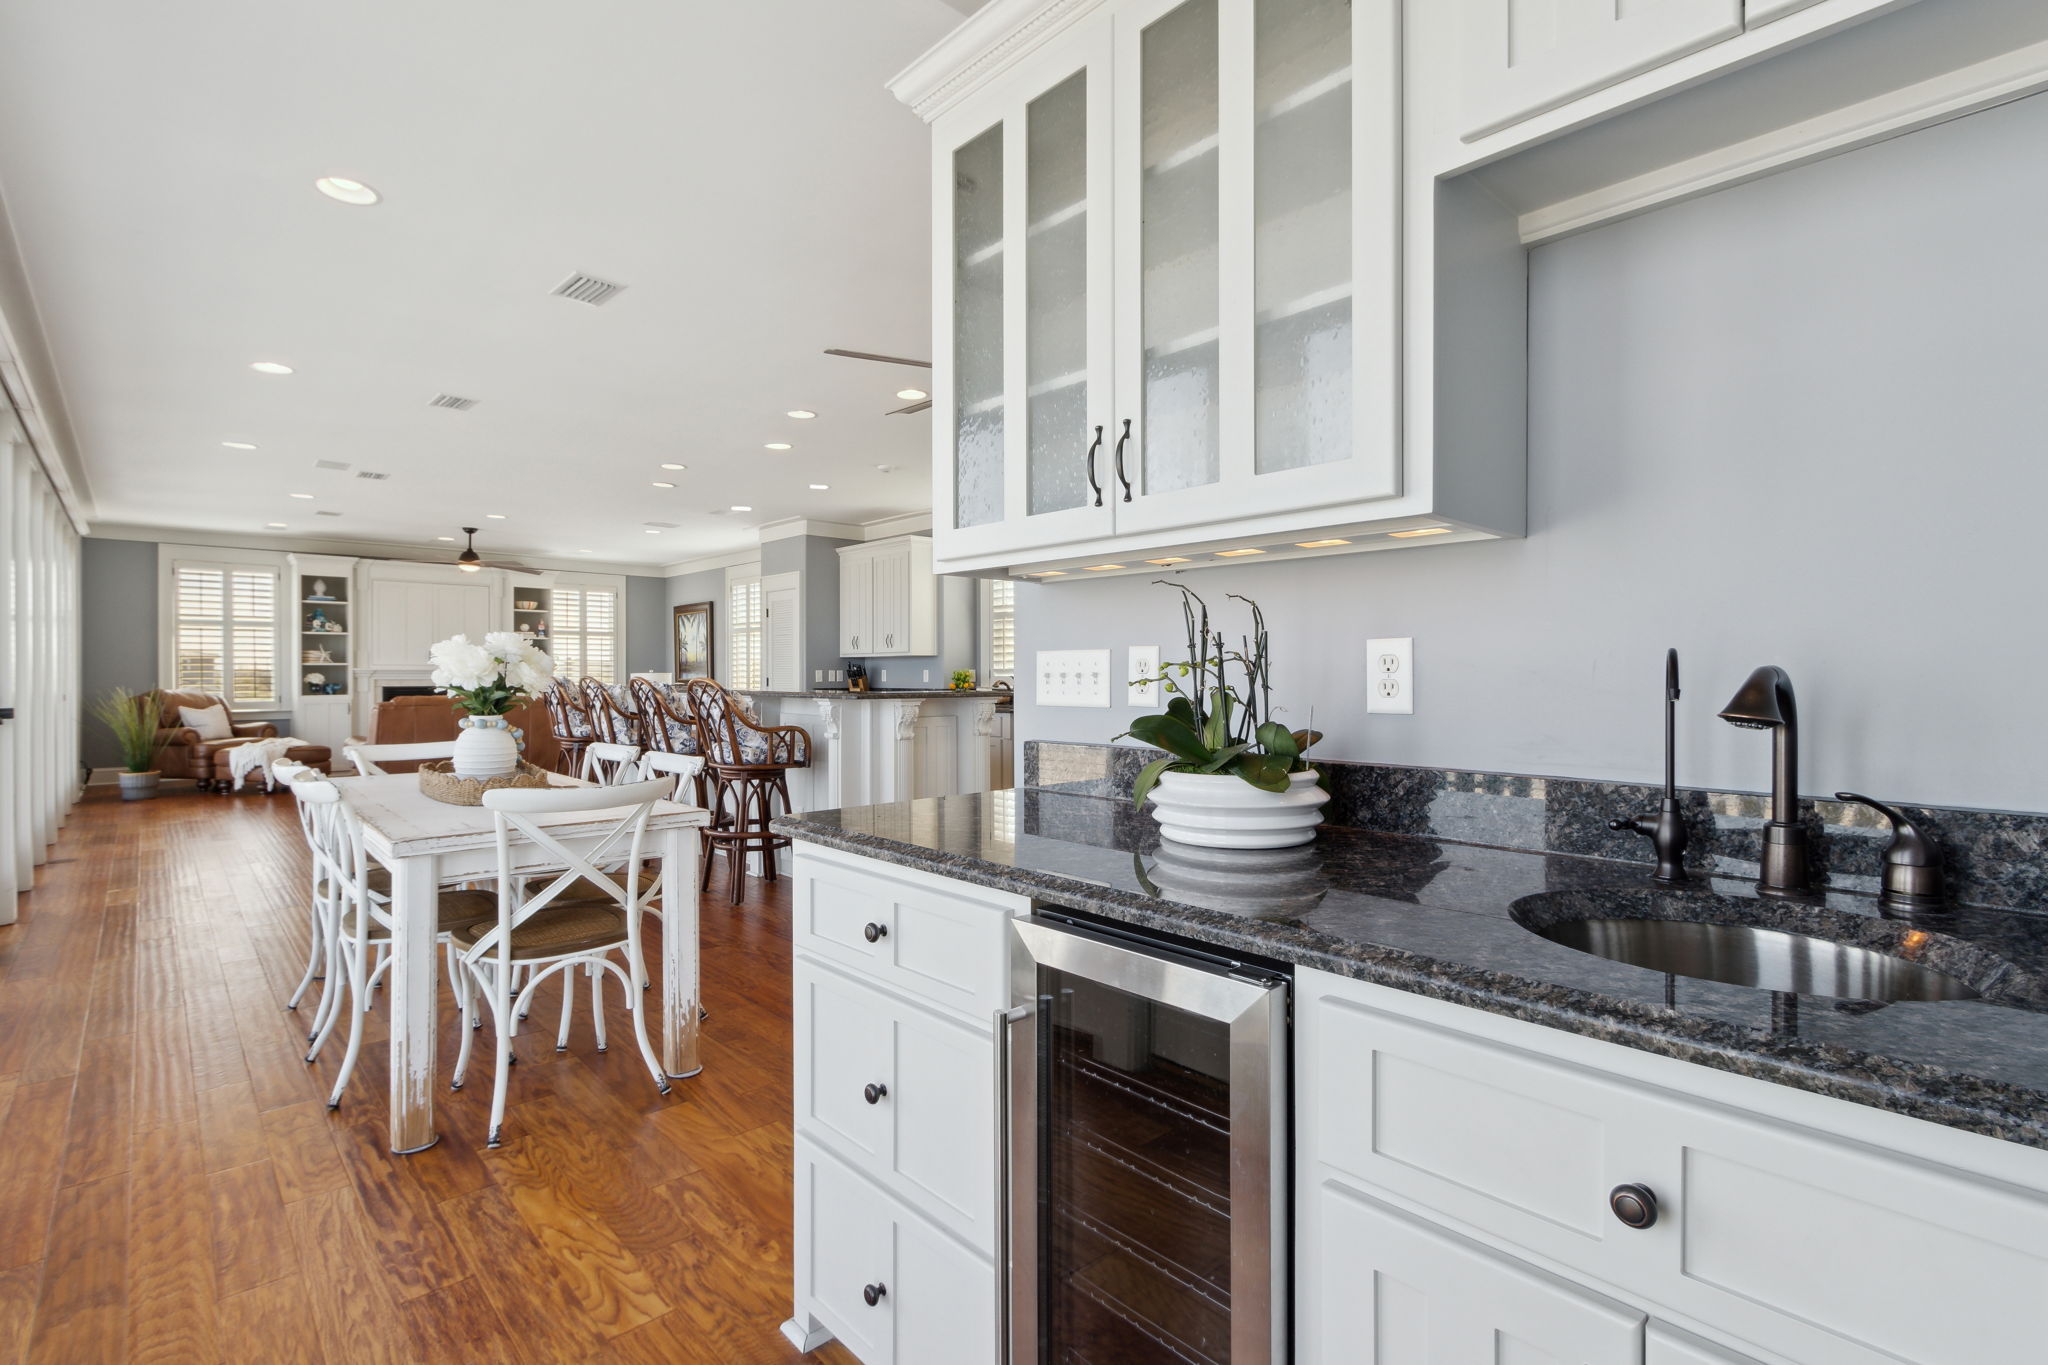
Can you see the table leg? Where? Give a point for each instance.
(679, 997)
(414, 987)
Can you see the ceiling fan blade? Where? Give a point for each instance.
(914, 407)
(884, 359)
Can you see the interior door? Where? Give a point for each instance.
(1258, 256)
(1410, 1294)
(782, 644)
(1024, 314)
(1525, 57)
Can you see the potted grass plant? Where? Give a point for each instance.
(135, 722)
(1233, 776)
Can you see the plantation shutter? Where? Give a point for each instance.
(585, 636)
(224, 632)
(1002, 630)
(744, 666)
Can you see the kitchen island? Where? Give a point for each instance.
(888, 744)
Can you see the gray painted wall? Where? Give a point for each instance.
(706, 585)
(647, 626)
(1798, 422)
(117, 612)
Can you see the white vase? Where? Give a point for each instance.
(1218, 810)
(486, 748)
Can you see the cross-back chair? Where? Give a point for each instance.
(368, 757)
(607, 765)
(558, 927)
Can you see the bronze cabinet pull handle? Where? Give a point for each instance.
(1122, 477)
(1094, 446)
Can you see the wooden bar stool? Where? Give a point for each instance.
(612, 714)
(748, 764)
(669, 727)
(569, 718)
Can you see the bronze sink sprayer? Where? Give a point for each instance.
(1666, 830)
(1765, 703)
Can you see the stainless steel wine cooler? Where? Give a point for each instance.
(1145, 1145)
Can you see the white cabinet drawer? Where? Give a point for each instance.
(931, 943)
(903, 1095)
(935, 1301)
(1806, 1243)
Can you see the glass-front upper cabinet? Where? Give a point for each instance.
(1022, 194)
(1256, 258)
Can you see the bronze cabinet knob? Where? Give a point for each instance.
(874, 1293)
(1634, 1205)
(875, 1094)
(874, 933)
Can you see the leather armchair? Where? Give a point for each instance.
(427, 720)
(185, 754)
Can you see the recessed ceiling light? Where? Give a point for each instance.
(270, 367)
(1319, 544)
(659, 484)
(801, 414)
(307, 496)
(586, 552)
(777, 445)
(495, 516)
(444, 537)
(1419, 531)
(886, 468)
(652, 532)
(912, 395)
(238, 445)
(1233, 554)
(675, 466)
(741, 507)
(274, 525)
(820, 487)
(346, 190)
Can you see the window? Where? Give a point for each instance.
(224, 636)
(743, 652)
(584, 633)
(1001, 630)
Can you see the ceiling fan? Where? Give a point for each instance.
(918, 406)
(469, 561)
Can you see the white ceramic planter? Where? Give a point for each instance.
(1217, 810)
(485, 748)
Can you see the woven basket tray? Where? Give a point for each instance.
(438, 780)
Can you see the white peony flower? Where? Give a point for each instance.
(507, 645)
(461, 665)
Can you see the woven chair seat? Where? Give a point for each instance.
(456, 909)
(584, 889)
(556, 931)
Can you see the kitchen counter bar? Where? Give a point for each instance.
(1434, 917)
(896, 694)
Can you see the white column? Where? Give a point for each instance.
(895, 759)
(974, 750)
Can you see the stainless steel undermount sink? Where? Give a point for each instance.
(1743, 943)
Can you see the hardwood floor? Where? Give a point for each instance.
(174, 1189)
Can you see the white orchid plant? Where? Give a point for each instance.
(491, 678)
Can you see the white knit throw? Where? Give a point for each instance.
(244, 759)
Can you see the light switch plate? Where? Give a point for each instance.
(1073, 677)
(1390, 676)
(1144, 664)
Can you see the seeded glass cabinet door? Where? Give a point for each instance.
(1022, 196)
(1257, 258)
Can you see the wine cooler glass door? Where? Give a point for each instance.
(1148, 1115)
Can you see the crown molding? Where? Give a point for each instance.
(999, 36)
(902, 524)
(709, 563)
(791, 527)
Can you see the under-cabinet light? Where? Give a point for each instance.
(1103, 568)
(1233, 554)
(1319, 544)
(1170, 559)
(1419, 531)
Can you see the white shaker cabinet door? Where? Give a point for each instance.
(856, 605)
(1524, 57)
(1669, 1346)
(1756, 12)
(1393, 1291)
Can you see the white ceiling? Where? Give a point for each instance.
(736, 163)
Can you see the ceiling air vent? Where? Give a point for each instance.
(586, 289)
(664, 525)
(371, 474)
(329, 464)
(449, 400)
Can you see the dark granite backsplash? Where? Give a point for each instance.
(1991, 858)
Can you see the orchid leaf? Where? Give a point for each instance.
(1183, 710)
(1222, 758)
(1148, 778)
(1173, 735)
(1264, 771)
(1276, 740)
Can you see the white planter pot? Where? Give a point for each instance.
(1217, 810)
(486, 748)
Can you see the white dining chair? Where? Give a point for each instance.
(289, 772)
(358, 920)
(558, 927)
(607, 765)
(366, 757)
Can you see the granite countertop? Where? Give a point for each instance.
(895, 694)
(1438, 918)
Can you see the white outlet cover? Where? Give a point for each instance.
(1144, 663)
(1390, 676)
(1072, 677)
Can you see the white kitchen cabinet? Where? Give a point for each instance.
(1812, 1239)
(1418, 1295)
(1663, 1345)
(1755, 12)
(888, 598)
(1167, 288)
(1524, 57)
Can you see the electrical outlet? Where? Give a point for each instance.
(1073, 677)
(927, 675)
(884, 677)
(1144, 660)
(1390, 676)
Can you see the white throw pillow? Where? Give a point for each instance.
(208, 723)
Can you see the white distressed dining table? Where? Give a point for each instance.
(428, 844)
